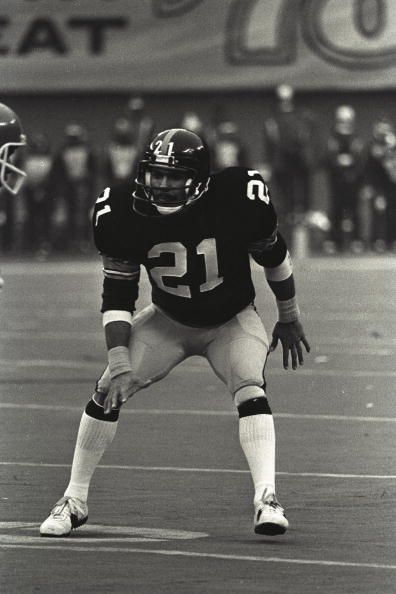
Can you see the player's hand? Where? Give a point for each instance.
(291, 335)
(121, 389)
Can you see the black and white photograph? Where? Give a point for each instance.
(197, 296)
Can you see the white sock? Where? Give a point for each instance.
(93, 438)
(257, 439)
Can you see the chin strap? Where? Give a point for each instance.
(167, 210)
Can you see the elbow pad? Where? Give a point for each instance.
(119, 294)
(273, 255)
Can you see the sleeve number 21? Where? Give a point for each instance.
(256, 188)
(106, 208)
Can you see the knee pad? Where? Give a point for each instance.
(251, 400)
(99, 397)
(255, 406)
(96, 411)
(248, 392)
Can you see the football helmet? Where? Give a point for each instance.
(181, 158)
(11, 137)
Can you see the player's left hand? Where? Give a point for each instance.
(291, 335)
(122, 387)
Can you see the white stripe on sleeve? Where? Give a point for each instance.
(280, 272)
(120, 269)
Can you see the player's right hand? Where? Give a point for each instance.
(290, 335)
(121, 389)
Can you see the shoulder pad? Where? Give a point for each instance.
(244, 192)
(112, 216)
(243, 183)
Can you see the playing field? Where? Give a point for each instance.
(170, 507)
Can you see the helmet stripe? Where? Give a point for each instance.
(167, 139)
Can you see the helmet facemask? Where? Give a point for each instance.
(11, 176)
(168, 189)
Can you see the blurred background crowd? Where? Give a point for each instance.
(303, 91)
(355, 175)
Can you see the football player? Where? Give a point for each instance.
(194, 234)
(11, 138)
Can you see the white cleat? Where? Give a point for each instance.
(68, 513)
(269, 516)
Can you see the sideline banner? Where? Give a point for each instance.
(175, 45)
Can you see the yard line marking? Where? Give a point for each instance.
(93, 266)
(174, 553)
(54, 364)
(341, 316)
(349, 264)
(335, 372)
(6, 540)
(334, 341)
(363, 340)
(61, 363)
(101, 533)
(50, 269)
(201, 470)
(381, 349)
(207, 413)
(52, 335)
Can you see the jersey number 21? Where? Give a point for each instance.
(206, 248)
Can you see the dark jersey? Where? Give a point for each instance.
(197, 260)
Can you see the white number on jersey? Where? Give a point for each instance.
(206, 248)
(256, 188)
(102, 198)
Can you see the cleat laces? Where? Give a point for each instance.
(64, 508)
(272, 505)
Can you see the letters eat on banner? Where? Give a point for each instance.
(154, 45)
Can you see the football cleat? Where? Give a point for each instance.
(269, 516)
(68, 513)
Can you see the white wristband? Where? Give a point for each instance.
(119, 361)
(288, 311)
